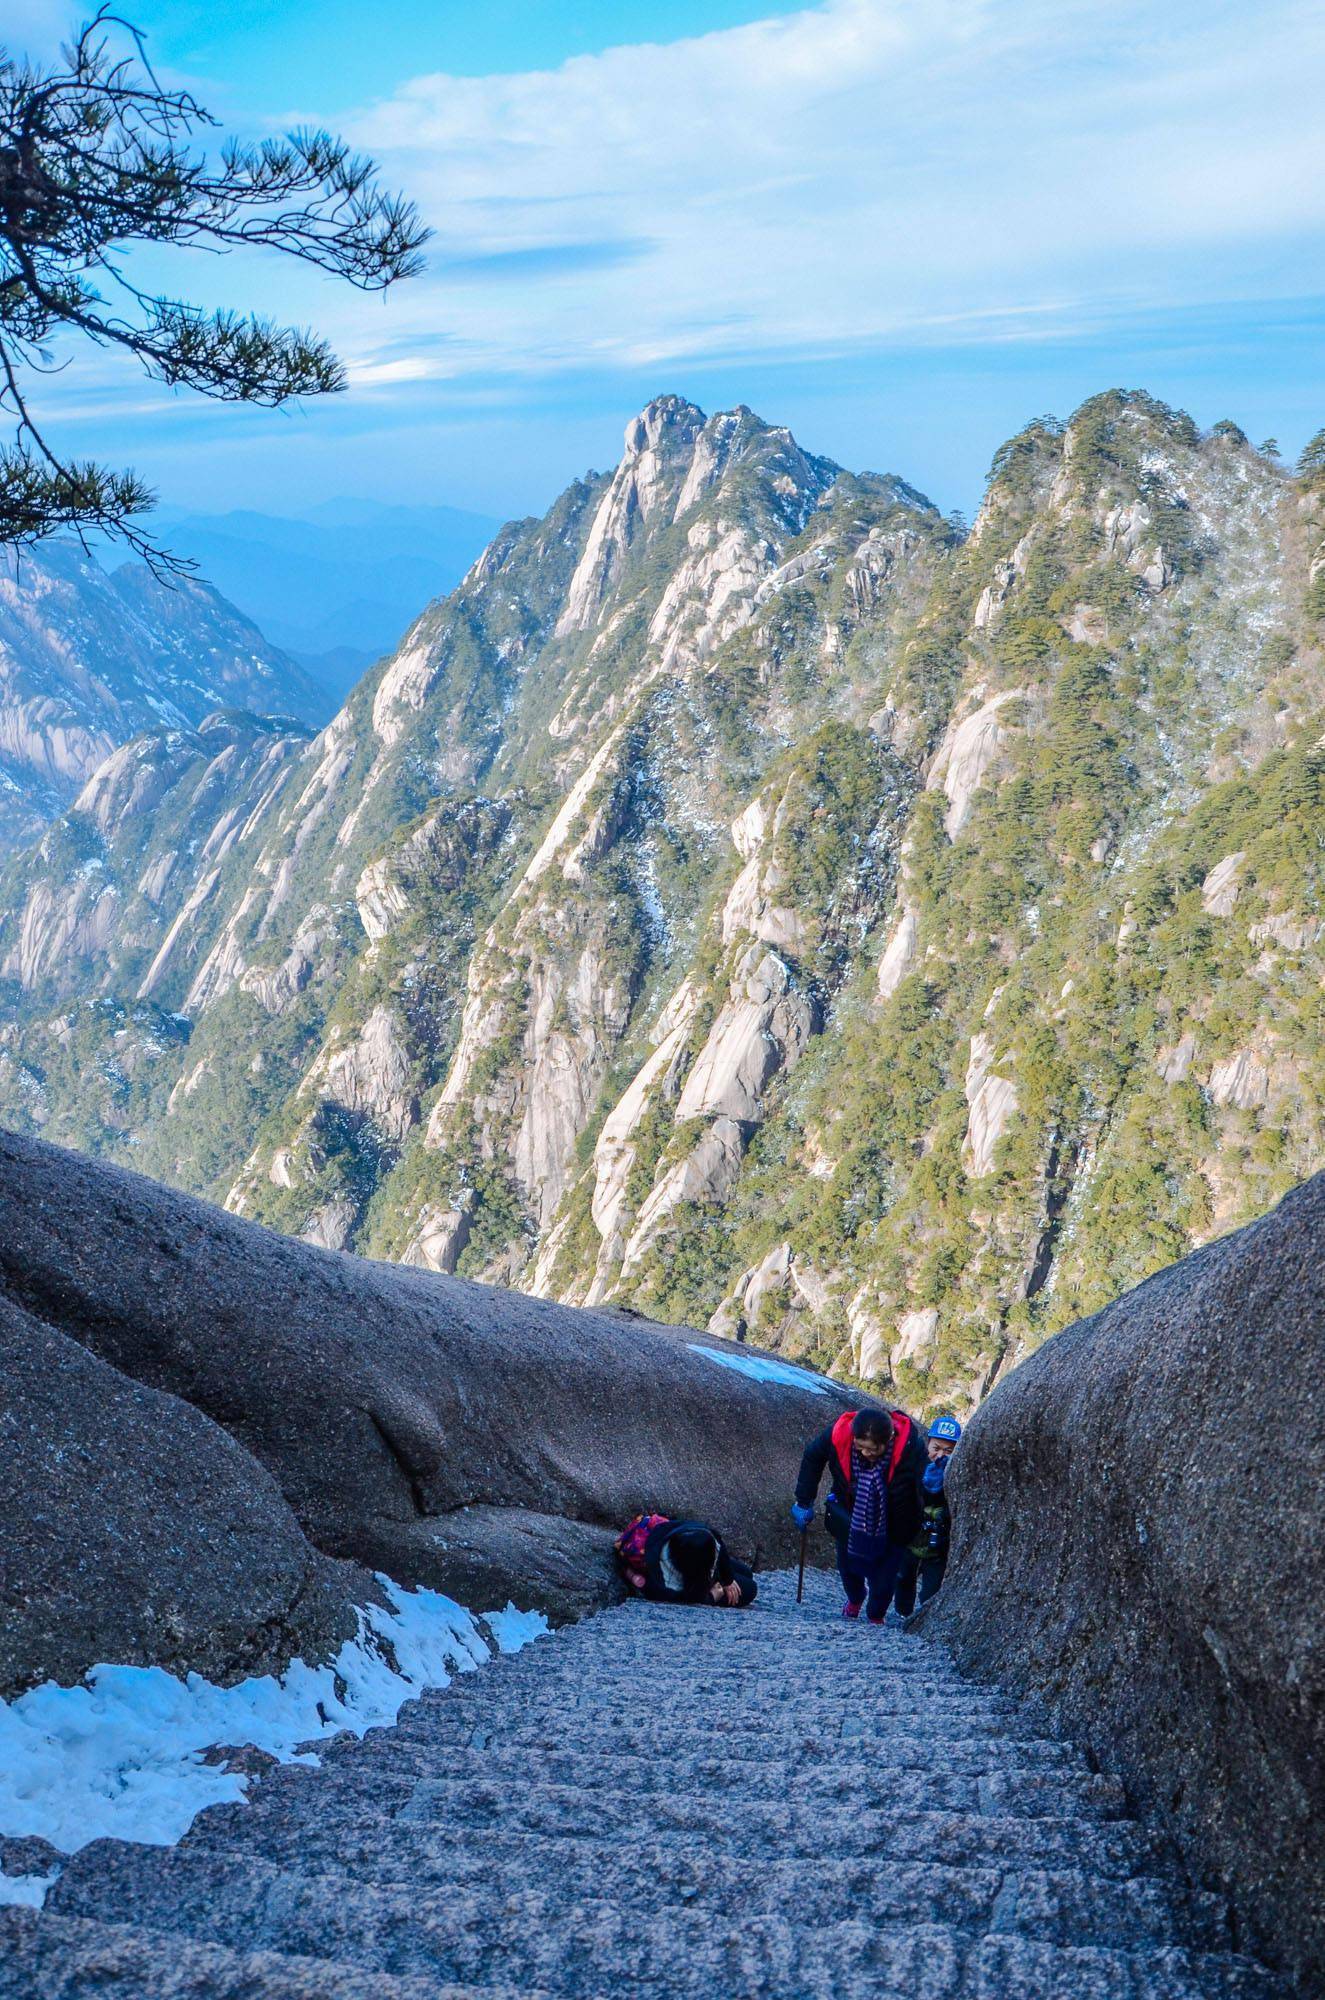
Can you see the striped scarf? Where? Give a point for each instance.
(868, 1536)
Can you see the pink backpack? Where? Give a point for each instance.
(630, 1546)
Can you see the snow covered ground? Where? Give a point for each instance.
(762, 1368)
(121, 1754)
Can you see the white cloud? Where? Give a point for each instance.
(861, 176)
(389, 374)
(861, 171)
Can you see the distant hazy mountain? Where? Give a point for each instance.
(337, 587)
(88, 659)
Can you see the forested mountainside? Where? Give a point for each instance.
(748, 896)
(89, 659)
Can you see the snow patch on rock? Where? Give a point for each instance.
(120, 1755)
(763, 1368)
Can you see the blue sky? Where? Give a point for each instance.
(901, 226)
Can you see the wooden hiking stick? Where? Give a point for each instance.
(800, 1581)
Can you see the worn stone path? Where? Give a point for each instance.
(664, 1803)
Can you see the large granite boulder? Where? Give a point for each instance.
(1138, 1538)
(133, 1529)
(450, 1434)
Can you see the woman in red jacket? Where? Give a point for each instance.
(875, 1459)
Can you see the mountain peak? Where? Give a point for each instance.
(671, 428)
(669, 418)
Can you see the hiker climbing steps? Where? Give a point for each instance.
(661, 1801)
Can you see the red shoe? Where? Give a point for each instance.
(851, 1610)
(877, 1621)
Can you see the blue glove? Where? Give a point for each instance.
(802, 1516)
(934, 1474)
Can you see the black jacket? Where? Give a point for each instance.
(729, 1570)
(832, 1449)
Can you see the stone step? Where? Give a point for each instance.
(859, 1663)
(672, 1628)
(777, 1591)
(778, 1688)
(817, 1706)
(543, 1938)
(1005, 1968)
(781, 1699)
(45, 1956)
(1002, 1794)
(631, 1789)
(736, 1638)
(900, 1737)
(777, 1695)
(536, 1940)
(659, 1744)
(817, 1680)
(1054, 1906)
(607, 1764)
(666, 1802)
(356, 1827)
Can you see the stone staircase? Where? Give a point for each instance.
(664, 1803)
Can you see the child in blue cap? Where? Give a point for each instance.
(927, 1555)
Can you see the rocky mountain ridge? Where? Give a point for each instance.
(747, 897)
(90, 659)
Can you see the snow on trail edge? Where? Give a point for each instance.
(121, 1754)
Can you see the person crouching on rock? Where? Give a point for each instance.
(875, 1459)
(927, 1557)
(682, 1562)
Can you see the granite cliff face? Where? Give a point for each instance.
(88, 660)
(1166, 1553)
(231, 1430)
(748, 898)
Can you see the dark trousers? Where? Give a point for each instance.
(872, 1586)
(927, 1574)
